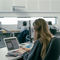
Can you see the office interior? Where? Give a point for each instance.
(14, 12)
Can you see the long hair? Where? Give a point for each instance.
(43, 34)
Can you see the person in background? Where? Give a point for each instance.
(42, 40)
(52, 28)
(23, 33)
(24, 27)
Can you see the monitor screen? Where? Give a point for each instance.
(11, 43)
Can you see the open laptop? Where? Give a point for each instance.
(12, 45)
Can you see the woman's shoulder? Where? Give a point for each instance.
(54, 39)
(54, 42)
(37, 42)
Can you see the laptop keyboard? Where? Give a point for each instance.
(14, 54)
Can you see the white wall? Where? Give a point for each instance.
(33, 15)
(31, 8)
(5, 5)
(10, 27)
(30, 5)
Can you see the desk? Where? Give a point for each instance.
(4, 31)
(8, 34)
(4, 51)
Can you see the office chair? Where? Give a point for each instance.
(1, 35)
(22, 36)
(53, 51)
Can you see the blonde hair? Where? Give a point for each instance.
(43, 34)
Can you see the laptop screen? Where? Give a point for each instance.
(11, 43)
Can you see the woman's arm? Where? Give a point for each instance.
(26, 49)
(23, 50)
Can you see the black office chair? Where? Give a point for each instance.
(53, 51)
(53, 31)
(22, 36)
(1, 35)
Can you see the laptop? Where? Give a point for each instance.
(12, 45)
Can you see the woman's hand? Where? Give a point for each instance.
(21, 50)
(26, 49)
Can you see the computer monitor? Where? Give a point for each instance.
(11, 43)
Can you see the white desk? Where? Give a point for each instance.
(4, 51)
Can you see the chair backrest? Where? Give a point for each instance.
(53, 51)
(22, 36)
(1, 35)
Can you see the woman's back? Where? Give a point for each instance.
(53, 49)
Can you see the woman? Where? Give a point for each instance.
(42, 38)
(42, 34)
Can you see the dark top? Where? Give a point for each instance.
(35, 52)
(52, 51)
(22, 36)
